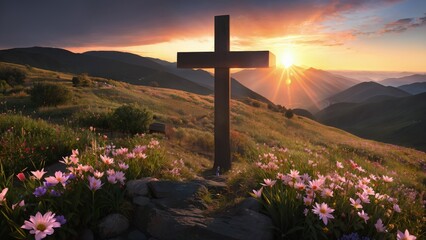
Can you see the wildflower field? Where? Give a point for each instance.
(321, 199)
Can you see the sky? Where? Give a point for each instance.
(376, 35)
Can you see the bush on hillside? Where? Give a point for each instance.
(13, 76)
(289, 113)
(131, 119)
(47, 94)
(82, 80)
(4, 86)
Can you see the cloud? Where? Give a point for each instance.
(112, 23)
(403, 25)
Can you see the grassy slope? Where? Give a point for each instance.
(192, 114)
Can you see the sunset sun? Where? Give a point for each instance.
(287, 60)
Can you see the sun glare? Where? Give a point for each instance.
(287, 60)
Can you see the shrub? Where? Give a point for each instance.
(289, 113)
(13, 76)
(46, 94)
(82, 80)
(4, 86)
(131, 119)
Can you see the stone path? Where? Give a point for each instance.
(166, 210)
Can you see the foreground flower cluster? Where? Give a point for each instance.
(71, 197)
(314, 205)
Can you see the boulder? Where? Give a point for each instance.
(113, 225)
(136, 235)
(138, 187)
(141, 201)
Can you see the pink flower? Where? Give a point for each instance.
(294, 174)
(119, 175)
(307, 200)
(107, 160)
(258, 193)
(323, 211)
(41, 225)
(405, 236)
(339, 164)
(123, 166)
(2, 195)
(20, 204)
(74, 152)
(58, 178)
(111, 179)
(396, 208)
(316, 184)
(327, 192)
(387, 179)
(268, 182)
(39, 173)
(299, 186)
(21, 177)
(94, 184)
(379, 226)
(363, 215)
(356, 204)
(98, 174)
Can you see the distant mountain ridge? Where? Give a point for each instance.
(120, 66)
(414, 88)
(364, 91)
(400, 121)
(396, 82)
(200, 77)
(295, 87)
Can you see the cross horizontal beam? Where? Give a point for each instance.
(247, 59)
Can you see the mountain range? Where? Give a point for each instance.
(124, 67)
(396, 82)
(365, 91)
(295, 87)
(414, 88)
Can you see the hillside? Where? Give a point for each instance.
(295, 87)
(414, 88)
(400, 120)
(191, 117)
(124, 67)
(198, 76)
(364, 91)
(66, 61)
(396, 82)
(259, 136)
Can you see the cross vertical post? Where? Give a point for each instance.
(222, 88)
(221, 60)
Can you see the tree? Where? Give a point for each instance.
(47, 94)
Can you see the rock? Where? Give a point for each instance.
(136, 235)
(87, 234)
(176, 194)
(213, 185)
(141, 201)
(245, 225)
(138, 187)
(169, 189)
(251, 204)
(113, 225)
(167, 224)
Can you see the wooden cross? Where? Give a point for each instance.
(221, 60)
